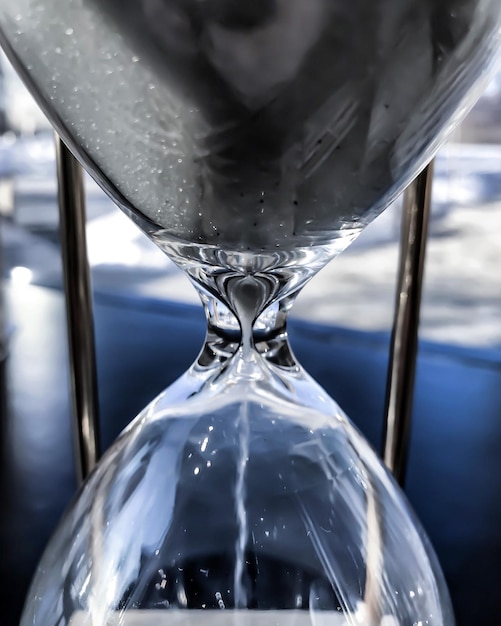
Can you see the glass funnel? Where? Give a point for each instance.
(252, 141)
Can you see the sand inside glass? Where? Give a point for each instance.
(232, 617)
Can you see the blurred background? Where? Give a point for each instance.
(150, 326)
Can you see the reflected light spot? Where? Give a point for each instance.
(85, 585)
(220, 601)
(21, 276)
(181, 595)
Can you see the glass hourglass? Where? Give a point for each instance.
(252, 141)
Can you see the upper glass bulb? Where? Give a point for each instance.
(253, 125)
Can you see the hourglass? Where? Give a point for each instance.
(252, 141)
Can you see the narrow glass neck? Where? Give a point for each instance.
(267, 335)
(246, 295)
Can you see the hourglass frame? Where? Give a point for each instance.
(80, 323)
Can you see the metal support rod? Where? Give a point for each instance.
(79, 312)
(404, 341)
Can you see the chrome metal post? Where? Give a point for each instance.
(79, 311)
(404, 342)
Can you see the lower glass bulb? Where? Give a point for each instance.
(252, 502)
